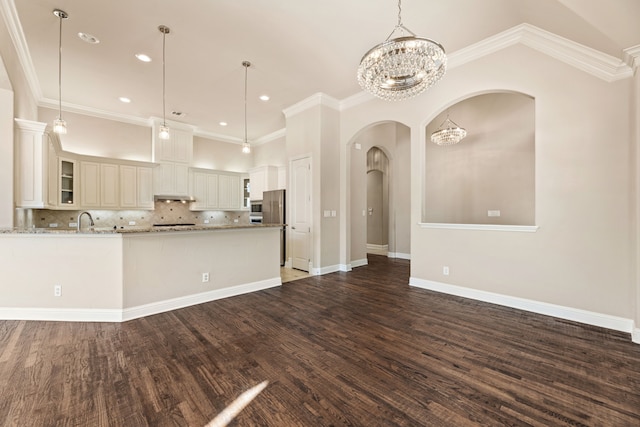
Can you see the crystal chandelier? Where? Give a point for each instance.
(402, 67)
(59, 125)
(164, 129)
(246, 147)
(448, 133)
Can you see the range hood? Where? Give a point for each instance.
(167, 198)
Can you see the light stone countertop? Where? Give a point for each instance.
(127, 230)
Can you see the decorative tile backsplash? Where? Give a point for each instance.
(164, 213)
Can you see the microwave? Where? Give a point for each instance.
(255, 216)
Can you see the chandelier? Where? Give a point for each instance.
(59, 125)
(246, 147)
(402, 67)
(448, 133)
(164, 129)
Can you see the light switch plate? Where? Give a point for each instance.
(493, 213)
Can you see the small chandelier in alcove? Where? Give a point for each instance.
(449, 133)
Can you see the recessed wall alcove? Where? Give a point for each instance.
(488, 177)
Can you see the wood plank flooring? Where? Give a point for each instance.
(345, 349)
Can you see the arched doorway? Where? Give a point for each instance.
(377, 216)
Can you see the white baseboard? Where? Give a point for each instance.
(116, 315)
(359, 262)
(61, 314)
(635, 335)
(399, 255)
(325, 270)
(567, 313)
(345, 267)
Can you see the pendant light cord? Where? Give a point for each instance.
(246, 69)
(60, 17)
(164, 115)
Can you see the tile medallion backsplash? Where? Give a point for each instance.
(164, 213)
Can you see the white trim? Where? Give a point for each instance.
(14, 27)
(325, 270)
(116, 315)
(483, 227)
(635, 335)
(399, 255)
(359, 262)
(345, 267)
(314, 100)
(632, 56)
(189, 300)
(61, 314)
(567, 313)
(594, 62)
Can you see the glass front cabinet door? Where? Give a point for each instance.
(67, 182)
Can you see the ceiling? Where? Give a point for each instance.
(297, 48)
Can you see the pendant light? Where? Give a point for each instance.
(402, 67)
(59, 125)
(164, 129)
(246, 147)
(449, 133)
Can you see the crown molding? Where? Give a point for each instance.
(10, 15)
(632, 56)
(594, 62)
(310, 102)
(93, 112)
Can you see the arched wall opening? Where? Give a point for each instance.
(392, 139)
(489, 176)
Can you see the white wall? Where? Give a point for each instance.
(272, 153)
(6, 149)
(95, 136)
(581, 256)
(219, 155)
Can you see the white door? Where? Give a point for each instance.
(300, 199)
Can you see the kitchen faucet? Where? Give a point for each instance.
(80, 217)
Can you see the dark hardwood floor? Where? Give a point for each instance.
(346, 349)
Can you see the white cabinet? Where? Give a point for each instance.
(32, 163)
(174, 156)
(90, 184)
(109, 185)
(216, 190)
(136, 187)
(67, 183)
(230, 192)
(263, 178)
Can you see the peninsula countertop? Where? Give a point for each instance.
(131, 229)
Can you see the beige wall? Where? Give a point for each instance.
(219, 155)
(272, 153)
(493, 168)
(581, 256)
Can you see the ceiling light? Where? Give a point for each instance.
(448, 133)
(164, 129)
(222, 123)
(86, 37)
(402, 67)
(59, 125)
(264, 97)
(142, 57)
(124, 99)
(246, 147)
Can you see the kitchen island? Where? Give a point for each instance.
(118, 275)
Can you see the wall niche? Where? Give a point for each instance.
(488, 177)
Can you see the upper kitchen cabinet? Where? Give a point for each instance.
(214, 190)
(261, 179)
(174, 156)
(32, 165)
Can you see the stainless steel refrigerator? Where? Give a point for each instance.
(273, 212)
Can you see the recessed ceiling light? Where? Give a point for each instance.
(88, 38)
(222, 123)
(264, 97)
(124, 99)
(142, 57)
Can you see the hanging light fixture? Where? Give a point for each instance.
(59, 125)
(246, 147)
(448, 133)
(402, 67)
(164, 129)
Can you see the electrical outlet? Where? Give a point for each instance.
(206, 221)
(57, 290)
(205, 277)
(132, 223)
(73, 224)
(445, 270)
